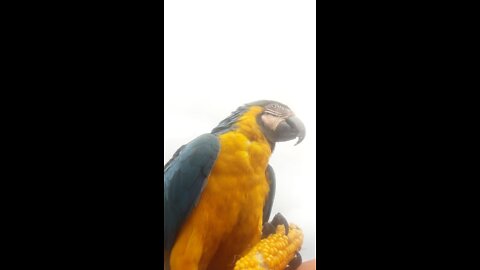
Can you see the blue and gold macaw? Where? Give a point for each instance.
(219, 188)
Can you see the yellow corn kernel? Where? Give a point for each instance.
(273, 252)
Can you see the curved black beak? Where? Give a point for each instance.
(290, 129)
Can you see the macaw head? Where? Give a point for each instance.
(277, 121)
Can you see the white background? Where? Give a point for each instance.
(222, 54)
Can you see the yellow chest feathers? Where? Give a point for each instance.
(244, 150)
(228, 218)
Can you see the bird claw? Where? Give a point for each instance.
(271, 227)
(279, 219)
(267, 230)
(295, 262)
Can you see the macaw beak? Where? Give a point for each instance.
(289, 129)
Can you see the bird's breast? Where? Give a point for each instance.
(236, 192)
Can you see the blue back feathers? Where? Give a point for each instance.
(184, 178)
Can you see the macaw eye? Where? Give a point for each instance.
(276, 110)
(275, 106)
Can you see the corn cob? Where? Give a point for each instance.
(273, 252)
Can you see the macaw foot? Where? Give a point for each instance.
(295, 262)
(271, 227)
(267, 230)
(279, 219)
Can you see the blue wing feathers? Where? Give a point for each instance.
(184, 178)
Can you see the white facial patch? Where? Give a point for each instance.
(271, 121)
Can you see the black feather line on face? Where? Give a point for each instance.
(275, 113)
